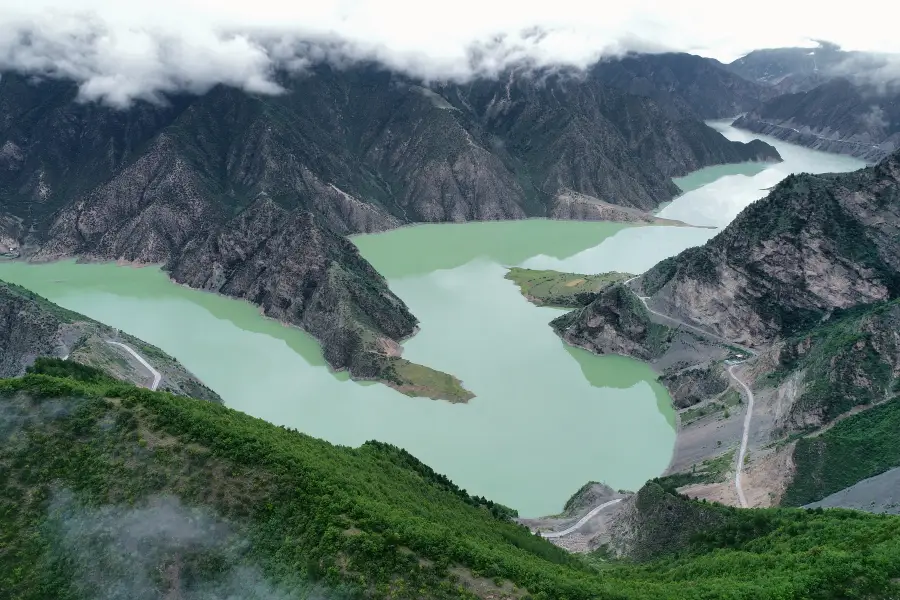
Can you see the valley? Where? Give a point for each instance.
(531, 316)
(473, 324)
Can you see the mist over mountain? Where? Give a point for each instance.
(800, 69)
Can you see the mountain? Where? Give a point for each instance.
(697, 86)
(112, 491)
(798, 300)
(31, 327)
(815, 244)
(251, 196)
(792, 70)
(837, 116)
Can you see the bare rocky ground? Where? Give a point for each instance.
(572, 205)
(879, 494)
(589, 535)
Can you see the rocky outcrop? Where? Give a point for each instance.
(303, 274)
(32, 327)
(813, 245)
(615, 323)
(837, 116)
(691, 386)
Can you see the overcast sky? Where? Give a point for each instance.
(125, 49)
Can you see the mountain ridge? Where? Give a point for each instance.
(837, 116)
(188, 185)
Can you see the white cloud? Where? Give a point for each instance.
(119, 50)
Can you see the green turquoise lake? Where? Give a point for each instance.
(546, 417)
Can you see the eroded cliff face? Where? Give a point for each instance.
(813, 245)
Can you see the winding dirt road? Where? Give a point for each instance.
(745, 434)
(157, 376)
(581, 521)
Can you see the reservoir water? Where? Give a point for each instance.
(713, 197)
(546, 417)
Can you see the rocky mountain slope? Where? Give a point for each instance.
(615, 322)
(697, 86)
(815, 244)
(837, 116)
(249, 195)
(32, 327)
(810, 277)
(792, 70)
(107, 493)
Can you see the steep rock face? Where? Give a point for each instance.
(614, 323)
(837, 116)
(26, 332)
(697, 86)
(814, 244)
(692, 386)
(32, 327)
(303, 274)
(580, 134)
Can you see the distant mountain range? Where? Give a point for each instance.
(791, 70)
(861, 120)
(825, 98)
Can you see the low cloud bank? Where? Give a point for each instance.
(122, 51)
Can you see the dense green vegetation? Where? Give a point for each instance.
(566, 290)
(847, 361)
(860, 446)
(371, 521)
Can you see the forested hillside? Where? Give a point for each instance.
(111, 491)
